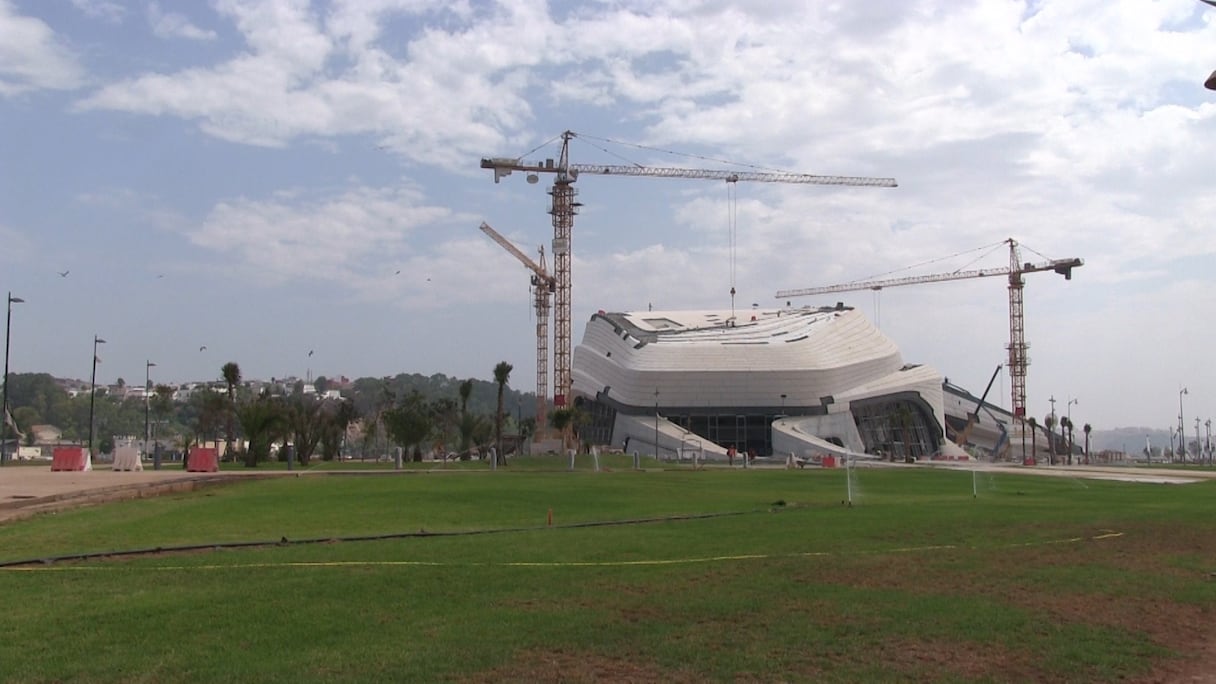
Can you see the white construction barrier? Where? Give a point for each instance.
(127, 458)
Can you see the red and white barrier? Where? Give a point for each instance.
(70, 459)
(203, 460)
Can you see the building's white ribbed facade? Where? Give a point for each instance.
(775, 381)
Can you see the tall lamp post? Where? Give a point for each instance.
(1181, 426)
(8, 324)
(93, 391)
(147, 404)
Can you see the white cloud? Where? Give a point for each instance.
(106, 10)
(353, 239)
(32, 57)
(303, 77)
(174, 25)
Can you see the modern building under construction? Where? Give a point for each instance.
(795, 381)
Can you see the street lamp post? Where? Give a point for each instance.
(1181, 426)
(147, 404)
(8, 324)
(93, 392)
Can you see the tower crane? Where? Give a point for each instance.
(543, 285)
(564, 206)
(1018, 359)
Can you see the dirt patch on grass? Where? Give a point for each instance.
(1130, 583)
(934, 660)
(573, 667)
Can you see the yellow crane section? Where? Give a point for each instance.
(543, 285)
(1018, 358)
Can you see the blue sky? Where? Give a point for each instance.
(250, 176)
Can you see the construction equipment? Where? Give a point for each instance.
(564, 207)
(1018, 359)
(543, 285)
(973, 417)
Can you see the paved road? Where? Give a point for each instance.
(26, 490)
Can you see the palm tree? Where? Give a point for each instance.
(466, 390)
(409, 423)
(502, 373)
(1066, 424)
(560, 420)
(1034, 436)
(232, 377)
(263, 420)
(1087, 429)
(336, 418)
(1050, 422)
(466, 425)
(305, 425)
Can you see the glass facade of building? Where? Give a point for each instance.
(897, 426)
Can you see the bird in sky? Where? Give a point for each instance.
(64, 274)
(203, 348)
(310, 352)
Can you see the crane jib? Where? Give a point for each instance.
(503, 166)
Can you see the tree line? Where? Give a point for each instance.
(417, 413)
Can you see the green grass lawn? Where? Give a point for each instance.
(714, 575)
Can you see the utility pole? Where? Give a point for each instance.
(93, 391)
(4, 420)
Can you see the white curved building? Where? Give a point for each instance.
(806, 382)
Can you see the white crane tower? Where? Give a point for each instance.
(1018, 359)
(564, 207)
(543, 285)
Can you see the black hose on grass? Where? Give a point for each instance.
(422, 533)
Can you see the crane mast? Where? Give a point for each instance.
(543, 286)
(1018, 358)
(564, 206)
